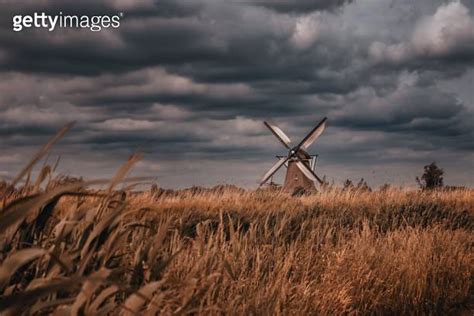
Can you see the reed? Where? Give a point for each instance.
(66, 248)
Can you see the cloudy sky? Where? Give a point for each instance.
(189, 82)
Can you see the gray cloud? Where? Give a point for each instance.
(300, 6)
(194, 80)
(448, 34)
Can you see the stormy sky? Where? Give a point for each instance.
(189, 82)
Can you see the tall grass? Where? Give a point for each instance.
(257, 252)
(68, 249)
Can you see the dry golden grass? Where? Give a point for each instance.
(237, 252)
(69, 250)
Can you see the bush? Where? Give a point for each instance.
(432, 178)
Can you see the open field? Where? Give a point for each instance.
(285, 157)
(69, 249)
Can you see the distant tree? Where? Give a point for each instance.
(432, 177)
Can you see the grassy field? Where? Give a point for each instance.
(69, 249)
(74, 247)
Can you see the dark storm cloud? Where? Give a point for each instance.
(445, 38)
(136, 44)
(414, 107)
(196, 78)
(401, 107)
(138, 8)
(299, 6)
(221, 41)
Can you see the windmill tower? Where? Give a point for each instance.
(299, 163)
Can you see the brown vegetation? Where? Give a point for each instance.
(68, 249)
(234, 251)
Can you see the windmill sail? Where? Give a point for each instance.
(313, 135)
(274, 169)
(285, 140)
(299, 173)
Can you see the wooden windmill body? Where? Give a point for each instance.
(295, 179)
(300, 165)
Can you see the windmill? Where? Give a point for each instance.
(299, 163)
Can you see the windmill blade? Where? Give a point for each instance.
(307, 171)
(313, 135)
(274, 169)
(285, 140)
